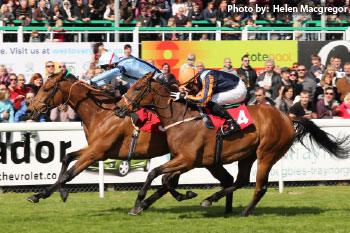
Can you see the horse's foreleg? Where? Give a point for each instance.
(169, 167)
(65, 163)
(82, 163)
(244, 167)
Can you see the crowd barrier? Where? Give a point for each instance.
(39, 162)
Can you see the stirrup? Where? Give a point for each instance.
(231, 128)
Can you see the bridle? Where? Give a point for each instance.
(47, 100)
(132, 105)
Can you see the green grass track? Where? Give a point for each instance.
(310, 209)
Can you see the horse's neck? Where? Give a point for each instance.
(174, 111)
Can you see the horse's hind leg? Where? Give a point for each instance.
(226, 180)
(244, 167)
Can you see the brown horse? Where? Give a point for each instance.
(192, 144)
(108, 136)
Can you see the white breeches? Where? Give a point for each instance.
(233, 96)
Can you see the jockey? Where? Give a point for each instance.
(212, 88)
(130, 69)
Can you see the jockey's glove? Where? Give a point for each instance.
(178, 95)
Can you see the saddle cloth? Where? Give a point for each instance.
(149, 122)
(240, 114)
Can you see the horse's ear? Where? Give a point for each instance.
(151, 75)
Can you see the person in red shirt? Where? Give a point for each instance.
(21, 88)
(16, 98)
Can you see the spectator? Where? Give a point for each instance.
(118, 87)
(67, 11)
(261, 98)
(172, 36)
(32, 6)
(285, 75)
(331, 70)
(144, 19)
(23, 13)
(177, 5)
(127, 51)
(164, 12)
(49, 69)
(180, 18)
(36, 82)
(154, 12)
(150, 61)
(285, 100)
(269, 80)
(200, 66)
(42, 13)
(247, 71)
(285, 17)
(293, 78)
(317, 68)
(62, 113)
(303, 107)
(307, 83)
(234, 22)
(89, 74)
(4, 76)
(327, 107)
(94, 9)
(344, 108)
(98, 71)
(6, 107)
(325, 83)
(195, 13)
(62, 68)
(6, 15)
(109, 13)
(223, 14)
(12, 7)
(56, 13)
(142, 5)
(16, 98)
(34, 37)
(59, 33)
(295, 65)
(21, 115)
(191, 58)
(338, 70)
(21, 88)
(228, 67)
(251, 24)
(166, 70)
(204, 37)
(210, 14)
(126, 13)
(343, 84)
(81, 11)
(98, 49)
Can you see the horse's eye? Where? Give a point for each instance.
(137, 88)
(46, 89)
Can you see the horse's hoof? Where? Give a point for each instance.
(190, 194)
(33, 199)
(206, 203)
(64, 194)
(135, 211)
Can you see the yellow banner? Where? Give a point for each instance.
(213, 53)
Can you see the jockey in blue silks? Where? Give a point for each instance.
(130, 69)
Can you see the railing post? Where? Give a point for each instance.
(20, 34)
(217, 35)
(136, 34)
(347, 34)
(1, 32)
(245, 33)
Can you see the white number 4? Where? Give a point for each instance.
(242, 118)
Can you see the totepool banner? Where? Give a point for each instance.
(213, 53)
(30, 58)
(40, 163)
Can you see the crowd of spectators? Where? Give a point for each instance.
(172, 13)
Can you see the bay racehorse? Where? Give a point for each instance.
(192, 144)
(108, 136)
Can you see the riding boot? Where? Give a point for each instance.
(221, 112)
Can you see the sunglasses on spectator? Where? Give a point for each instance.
(48, 66)
(3, 89)
(62, 67)
(13, 79)
(328, 93)
(21, 80)
(301, 69)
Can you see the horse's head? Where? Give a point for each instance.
(141, 93)
(48, 97)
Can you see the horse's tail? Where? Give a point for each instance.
(339, 147)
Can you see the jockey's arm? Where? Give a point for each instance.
(205, 94)
(105, 77)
